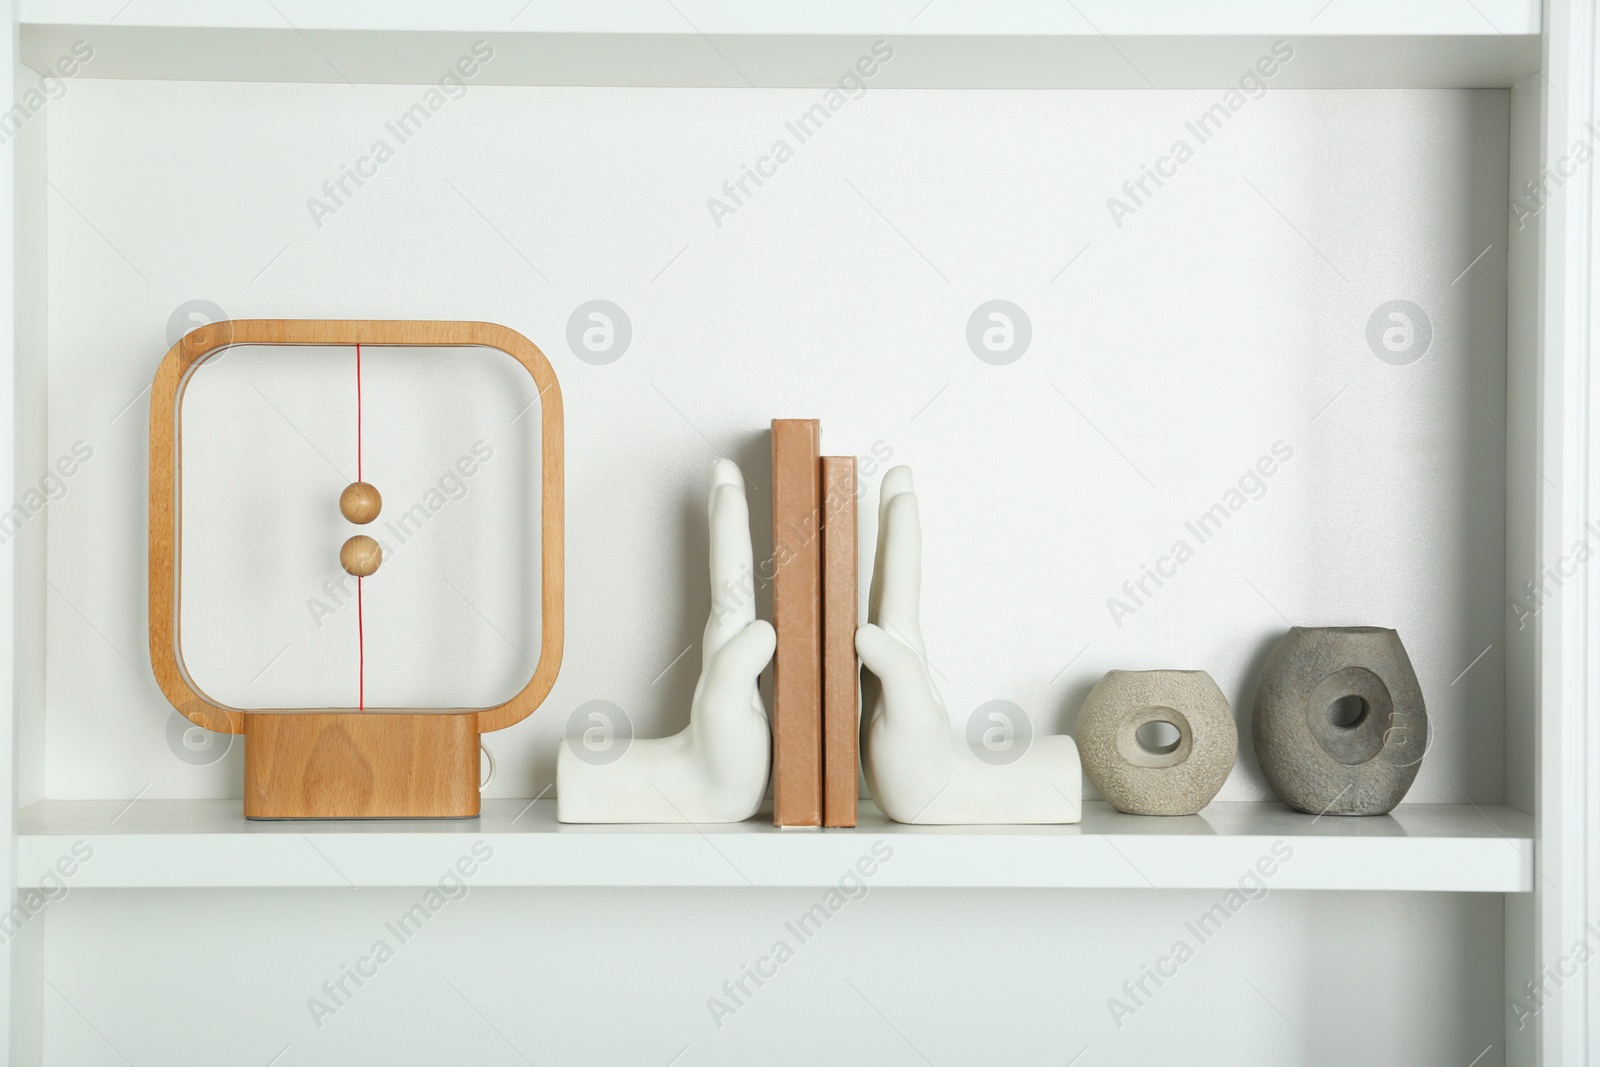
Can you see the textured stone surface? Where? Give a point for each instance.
(1140, 782)
(1317, 765)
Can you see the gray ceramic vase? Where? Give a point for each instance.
(1178, 779)
(1340, 728)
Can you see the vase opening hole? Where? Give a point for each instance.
(1157, 737)
(1347, 713)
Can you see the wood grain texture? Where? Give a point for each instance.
(166, 399)
(841, 671)
(355, 765)
(797, 617)
(361, 556)
(360, 503)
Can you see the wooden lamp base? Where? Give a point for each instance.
(360, 765)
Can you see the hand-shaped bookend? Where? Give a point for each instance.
(715, 769)
(918, 769)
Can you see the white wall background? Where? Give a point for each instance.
(450, 438)
(1168, 354)
(1227, 314)
(612, 976)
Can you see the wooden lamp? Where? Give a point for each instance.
(347, 763)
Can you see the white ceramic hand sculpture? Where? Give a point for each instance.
(715, 770)
(918, 769)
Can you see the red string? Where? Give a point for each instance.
(358, 413)
(361, 637)
(361, 617)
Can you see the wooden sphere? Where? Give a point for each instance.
(360, 555)
(360, 503)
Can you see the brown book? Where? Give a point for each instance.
(797, 616)
(841, 674)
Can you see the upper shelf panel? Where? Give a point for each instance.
(821, 18)
(721, 43)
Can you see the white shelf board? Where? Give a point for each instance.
(208, 843)
(727, 43)
(818, 18)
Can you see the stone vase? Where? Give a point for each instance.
(1340, 727)
(1178, 779)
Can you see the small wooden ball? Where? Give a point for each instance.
(360, 555)
(360, 503)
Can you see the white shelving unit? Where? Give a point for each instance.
(1537, 848)
(1018, 44)
(209, 844)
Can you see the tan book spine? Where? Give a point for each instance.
(797, 616)
(841, 672)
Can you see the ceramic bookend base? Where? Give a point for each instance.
(919, 770)
(715, 770)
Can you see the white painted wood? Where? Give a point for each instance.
(33, 464)
(208, 843)
(831, 18)
(1524, 485)
(1021, 43)
(1524, 482)
(1081, 61)
(1568, 803)
(22, 589)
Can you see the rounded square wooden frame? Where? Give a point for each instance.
(166, 457)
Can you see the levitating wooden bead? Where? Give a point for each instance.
(360, 555)
(360, 503)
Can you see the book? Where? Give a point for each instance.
(841, 671)
(797, 617)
